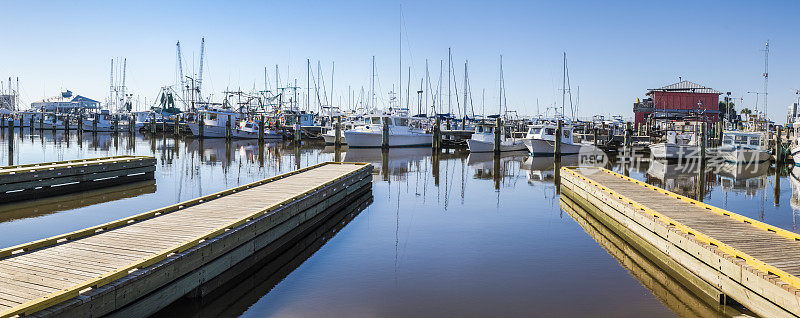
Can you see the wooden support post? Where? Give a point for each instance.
(338, 136)
(201, 125)
(80, 124)
(66, 123)
(261, 128)
(627, 134)
(557, 146)
(498, 129)
(298, 133)
(41, 122)
(176, 129)
(385, 139)
(10, 130)
(778, 146)
(436, 143)
(94, 124)
(595, 136)
(228, 134)
(703, 142)
(152, 123)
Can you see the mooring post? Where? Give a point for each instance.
(31, 126)
(80, 124)
(627, 135)
(557, 146)
(228, 134)
(66, 123)
(595, 136)
(41, 121)
(436, 142)
(261, 128)
(131, 125)
(385, 139)
(778, 146)
(498, 129)
(201, 125)
(10, 130)
(338, 141)
(94, 124)
(152, 123)
(298, 134)
(703, 142)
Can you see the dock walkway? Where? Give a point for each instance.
(754, 263)
(38, 180)
(40, 274)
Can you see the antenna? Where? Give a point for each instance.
(766, 75)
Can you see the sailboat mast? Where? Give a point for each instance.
(564, 84)
(449, 96)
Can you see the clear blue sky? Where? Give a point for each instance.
(616, 50)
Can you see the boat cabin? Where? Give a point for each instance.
(738, 139)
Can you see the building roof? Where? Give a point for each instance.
(685, 87)
(67, 97)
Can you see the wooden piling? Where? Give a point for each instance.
(557, 146)
(385, 135)
(436, 144)
(261, 128)
(66, 123)
(152, 123)
(338, 135)
(228, 134)
(778, 146)
(703, 142)
(498, 129)
(80, 124)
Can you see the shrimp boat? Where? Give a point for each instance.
(330, 133)
(745, 147)
(98, 122)
(541, 140)
(55, 122)
(482, 140)
(215, 123)
(404, 131)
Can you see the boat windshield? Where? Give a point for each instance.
(534, 131)
(401, 121)
(727, 140)
(550, 131)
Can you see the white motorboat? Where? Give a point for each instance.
(402, 132)
(482, 140)
(677, 146)
(541, 138)
(99, 122)
(744, 147)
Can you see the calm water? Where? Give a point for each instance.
(448, 235)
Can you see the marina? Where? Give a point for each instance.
(276, 159)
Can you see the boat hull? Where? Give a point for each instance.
(219, 132)
(744, 155)
(486, 146)
(540, 147)
(357, 139)
(331, 139)
(676, 152)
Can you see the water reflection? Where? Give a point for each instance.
(682, 301)
(41, 207)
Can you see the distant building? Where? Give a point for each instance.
(678, 101)
(66, 102)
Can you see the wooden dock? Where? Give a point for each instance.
(33, 181)
(727, 254)
(114, 268)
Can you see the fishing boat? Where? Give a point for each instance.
(744, 147)
(54, 121)
(99, 122)
(215, 123)
(677, 146)
(541, 139)
(482, 140)
(402, 132)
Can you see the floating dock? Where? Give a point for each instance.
(40, 180)
(718, 253)
(137, 265)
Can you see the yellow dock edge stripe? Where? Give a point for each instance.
(60, 296)
(733, 252)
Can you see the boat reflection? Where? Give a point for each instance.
(488, 166)
(682, 177)
(669, 290)
(37, 208)
(395, 162)
(543, 169)
(743, 177)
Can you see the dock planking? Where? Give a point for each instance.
(33, 181)
(44, 273)
(752, 262)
